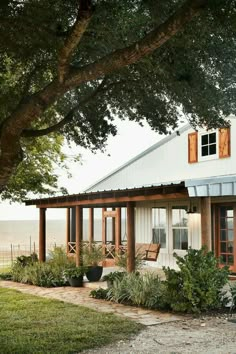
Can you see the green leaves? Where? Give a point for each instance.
(198, 284)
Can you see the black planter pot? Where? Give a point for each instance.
(94, 273)
(76, 282)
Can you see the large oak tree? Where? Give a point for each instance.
(69, 67)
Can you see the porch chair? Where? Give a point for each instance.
(148, 252)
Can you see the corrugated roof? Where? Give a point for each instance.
(139, 156)
(217, 186)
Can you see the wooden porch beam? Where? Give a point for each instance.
(42, 234)
(130, 238)
(115, 200)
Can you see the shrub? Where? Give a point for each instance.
(139, 289)
(233, 296)
(197, 286)
(113, 276)
(49, 274)
(6, 276)
(99, 294)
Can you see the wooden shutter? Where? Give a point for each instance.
(224, 142)
(192, 148)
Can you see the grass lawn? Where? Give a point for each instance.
(31, 324)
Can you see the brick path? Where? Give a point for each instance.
(80, 296)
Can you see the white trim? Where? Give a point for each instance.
(207, 157)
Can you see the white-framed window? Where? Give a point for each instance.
(179, 225)
(159, 225)
(208, 145)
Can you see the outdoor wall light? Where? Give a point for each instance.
(192, 210)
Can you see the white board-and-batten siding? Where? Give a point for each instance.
(167, 162)
(143, 232)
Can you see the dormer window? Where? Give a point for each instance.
(210, 145)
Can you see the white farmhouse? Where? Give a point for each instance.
(179, 193)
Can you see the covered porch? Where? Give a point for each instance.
(111, 203)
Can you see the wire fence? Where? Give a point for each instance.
(8, 254)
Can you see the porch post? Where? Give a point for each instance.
(118, 229)
(78, 233)
(91, 226)
(113, 220)
(130, 238)
(104, 231)
(67, 230)
(42, 234)
(206, 221)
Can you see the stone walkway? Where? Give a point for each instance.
(80, 296)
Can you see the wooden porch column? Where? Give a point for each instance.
(104, 230)
(91, 226)
(113, 220)
(118, 229)
(67, 229)
(130, 238)
(78, 233)
(206, 222)
(42, 234)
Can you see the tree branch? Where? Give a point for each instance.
(73, 39)
(129, 55)
(29, 133)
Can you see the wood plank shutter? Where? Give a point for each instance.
(192, 147)
(224, 142)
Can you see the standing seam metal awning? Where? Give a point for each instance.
(212, 187)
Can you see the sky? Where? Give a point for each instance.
(131, 140)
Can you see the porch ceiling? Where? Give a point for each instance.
(113, 198)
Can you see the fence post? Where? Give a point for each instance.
(11, 255)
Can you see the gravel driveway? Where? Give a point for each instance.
(202, 335)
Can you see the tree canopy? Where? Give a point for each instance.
(69, 67)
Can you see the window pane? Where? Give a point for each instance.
(159, 217)
(222, 223)
(205, 139)
(159, 226)
(163, 238)
(230, 223)
(223, 247)
(179, 216)
(184, 239)
(223, 258)
(205, 150)
(230, 247)
(230, 235)
(155, 236)
(230, 212)
(223, 235)
(212, 138)
(176, 239)
(223, 212)
(230, 260)
(212, 149)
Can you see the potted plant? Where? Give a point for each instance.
(92, 258)
(74, 275)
